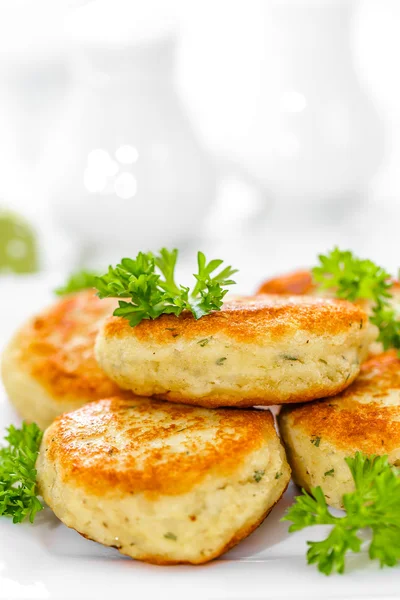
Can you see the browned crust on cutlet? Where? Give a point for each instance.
(296, 283)
(239, 535)
(358, 418)
(57, 348)
(248, 319)
(84, 445)
(300, 283)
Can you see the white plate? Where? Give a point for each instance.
(47, 560)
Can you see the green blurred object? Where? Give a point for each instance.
(18, 247)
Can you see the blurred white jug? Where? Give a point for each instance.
(314, 137)
(138, 177)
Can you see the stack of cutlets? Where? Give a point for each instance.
(364, 417)
(171, 463)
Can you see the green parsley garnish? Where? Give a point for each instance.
(353, 279)
(329, 473)
(386, 319)
(374, 505)
(170, 536)
(149, 283)
(258, 475)
(81, 280)
(316, 441)
(18, 489)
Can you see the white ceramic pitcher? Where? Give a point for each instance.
(138, 177)
(313, 137)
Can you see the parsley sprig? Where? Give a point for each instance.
(18, 489)
(81, 280)
(354, 279)
(149, 283)
(373, 505)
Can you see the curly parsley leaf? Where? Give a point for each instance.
(18, 490)
(148, 281)
(385, 317)
(354, 279)
(81, 280)
(374, 505)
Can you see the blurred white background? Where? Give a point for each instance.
(262, 132)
